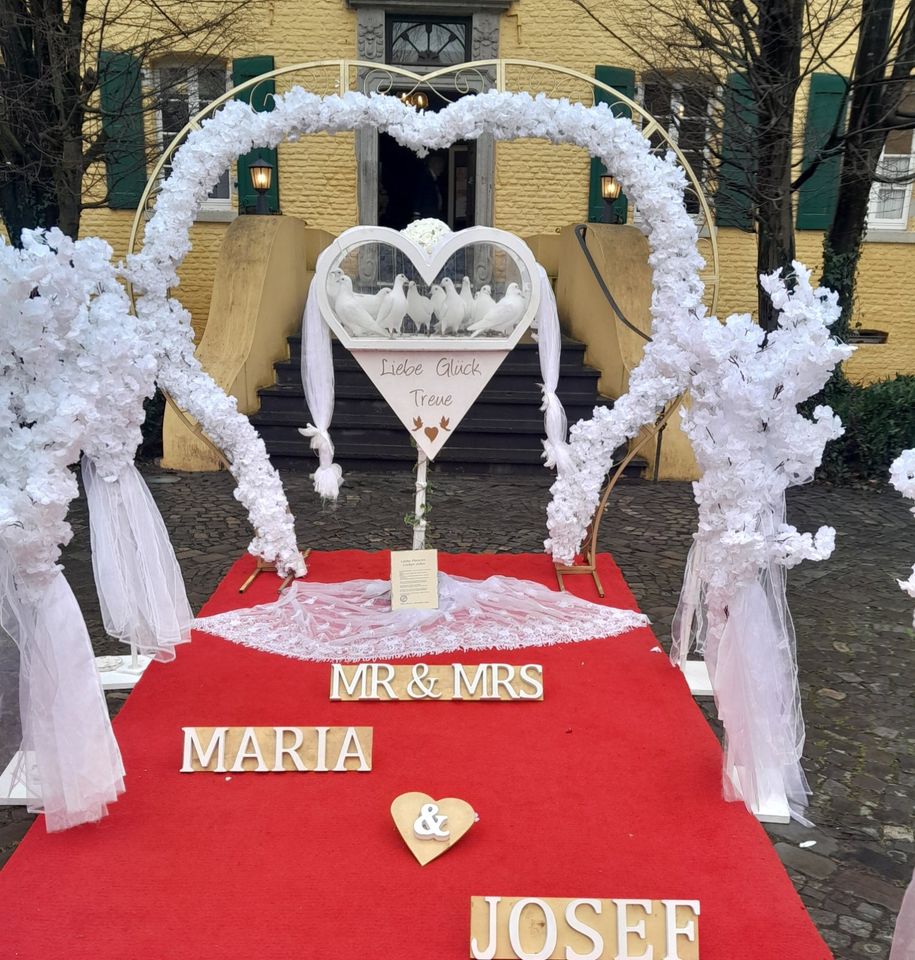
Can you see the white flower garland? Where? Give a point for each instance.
(655, 183)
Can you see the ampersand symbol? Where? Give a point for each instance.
(429, 823)
(417, 689)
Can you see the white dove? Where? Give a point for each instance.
(452, 313)
(373, 301)
(393, 308)
(504, 315)
(351, 313)
(437, 296)
(482, 303)
(467, 297)
(334, 278)
(419, 308)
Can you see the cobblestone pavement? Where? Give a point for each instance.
(856, 651)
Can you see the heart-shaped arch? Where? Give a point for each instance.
(656, 184)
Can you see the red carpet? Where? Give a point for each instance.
(610, 787)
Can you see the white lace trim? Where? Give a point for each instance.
(353, 620)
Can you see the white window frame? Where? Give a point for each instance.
(900, 223)
(673, 131)
(217, 207)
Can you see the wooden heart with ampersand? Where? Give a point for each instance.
(421, 821)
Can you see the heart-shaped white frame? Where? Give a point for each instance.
(428, 266)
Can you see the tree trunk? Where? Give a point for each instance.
(25, 204)
(775, 76)
(875, 100)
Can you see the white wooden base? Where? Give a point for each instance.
(696, 673)
(125, 675)
(773, 810)
(772, 806)
(13, 795)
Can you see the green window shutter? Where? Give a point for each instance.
(737, 169)
(121, 87)
(623, 80)
(825, 112)
(245, 69)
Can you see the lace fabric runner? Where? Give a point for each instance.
(353, 620)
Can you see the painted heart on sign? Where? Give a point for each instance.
(431, 378)
(431, 827)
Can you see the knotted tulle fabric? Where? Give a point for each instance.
(69, 758)
(549, 345)
(139, 582)
(354, 621)
(317, 369)
(749, 647)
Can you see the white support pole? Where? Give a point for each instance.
(419, 508)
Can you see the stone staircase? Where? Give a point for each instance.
(502, 432)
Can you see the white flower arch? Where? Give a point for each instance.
(744, 423)
(655, 183)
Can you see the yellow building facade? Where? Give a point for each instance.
(528, 187)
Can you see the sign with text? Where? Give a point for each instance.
(277, 749)
(414, 579)
(586, 928)
(430, 392)
(436, 681)
(429, 326)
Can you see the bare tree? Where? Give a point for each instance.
(880, 102)
(60, 137)
(757, 57)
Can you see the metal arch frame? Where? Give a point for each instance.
(494, 75)
(493, 72)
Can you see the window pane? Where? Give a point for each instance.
(428, 42)
(185, 90)
(657, 103)
(211, 83)
(221, 191)
(173, 86)
(888, 200)
(692, 129)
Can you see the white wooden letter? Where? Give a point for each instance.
(290, 752)
(321, 749)
(386, 682)
(192, 744)
(514, 931)
(579, 927)
(351, 738)
(505, 683)
(672, 931)
(532, 673)
(337, 676)
(624, 928)
(460, 677)
(490, 951)
(249, 749)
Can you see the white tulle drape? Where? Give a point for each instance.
(354, 621)
(747, 638)
(139, 582)
(69, 758)
(904, 938)
(549, 343)
(318, 383)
